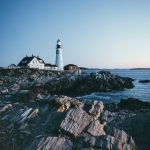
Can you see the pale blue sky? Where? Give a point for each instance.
(94, 33)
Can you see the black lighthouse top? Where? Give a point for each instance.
(58, 44)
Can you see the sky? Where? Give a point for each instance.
(94, 33)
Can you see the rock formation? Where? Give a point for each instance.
(38, 125)
(30, 82)
(144, 81)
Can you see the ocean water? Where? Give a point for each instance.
(140, 91)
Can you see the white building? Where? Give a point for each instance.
(12, 66)
(50, 67)
(59, 57)
(38, 63)
(32, 62)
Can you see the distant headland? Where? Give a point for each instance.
(140, 69)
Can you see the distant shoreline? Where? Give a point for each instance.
(83, 68)
(140, 69)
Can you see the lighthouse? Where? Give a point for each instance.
(59, 57)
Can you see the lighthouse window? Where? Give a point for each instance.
(57, 52)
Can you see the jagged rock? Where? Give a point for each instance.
(138, 127)
(96, 129)
(51, 143)
(118, 140)
(108, 116)
(25, 115)
(64, 103)
(5, 108)
(33, 114)
(122, 140)
(86, 148)
(73, 127)
(23, 126)
(113, 117)
(77, 103)
(100, 142)
(62, 99)
(144, 81)
(44, 108)
(97, 108)
(5, 91)
(21, 116)
(61, 108)
(1, 82)
(39, 96)
(75, 122)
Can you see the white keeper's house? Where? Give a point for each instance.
(32, 62)
(36, 62)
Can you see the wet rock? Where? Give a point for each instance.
(108, 116)
(86, 149)
(51, 143)
(100, 142)
(53, 121)
(111, 107)
(44, 108)
(33, 114)
(23, 126)
(75, 122)
(39, 96)
(133, 104)
(25, 115)
(1, 82)
(21, 116)
(5, 91)
(144, 81)
(5, 108)
(96, 129)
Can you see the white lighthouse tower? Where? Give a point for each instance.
(59, 57)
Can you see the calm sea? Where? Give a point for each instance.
(140, 91)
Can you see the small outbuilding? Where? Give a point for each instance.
(54, 67)
(71, 67)
(12, 66)
(50, 67)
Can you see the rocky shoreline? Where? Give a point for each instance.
(32, 81)
(32, 117)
